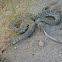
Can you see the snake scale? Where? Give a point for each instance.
(30, 22)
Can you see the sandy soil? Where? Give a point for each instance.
(29, 51)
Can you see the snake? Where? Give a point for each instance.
(29, 24)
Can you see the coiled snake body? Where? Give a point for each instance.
(28, 26)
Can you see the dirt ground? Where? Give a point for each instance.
(29, 51)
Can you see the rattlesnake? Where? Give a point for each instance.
(30, 23)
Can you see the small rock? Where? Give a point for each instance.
(15, 47)
(32, 54)
(40, 43)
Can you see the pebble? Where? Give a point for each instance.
(40, 43)
(15, 47)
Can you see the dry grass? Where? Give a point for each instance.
(9, 10)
